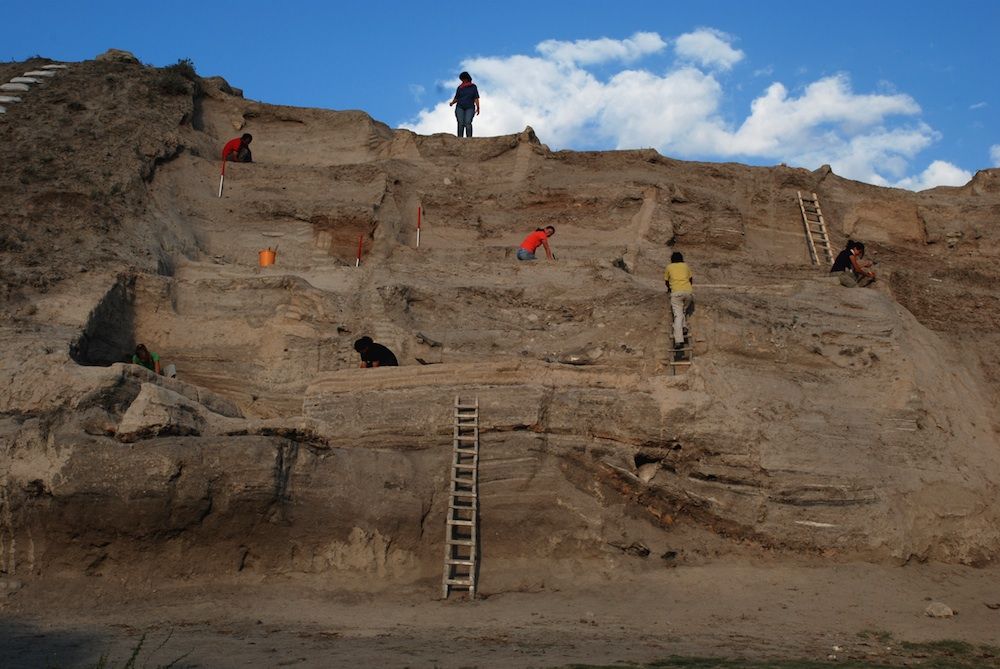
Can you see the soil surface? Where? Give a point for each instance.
(723, 610)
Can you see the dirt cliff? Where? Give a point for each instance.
(816, 422)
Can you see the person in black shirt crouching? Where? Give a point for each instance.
(374, 355)
(851, 268)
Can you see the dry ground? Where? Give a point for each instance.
(719, 610)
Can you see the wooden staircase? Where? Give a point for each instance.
(461, 544)
(820, 251)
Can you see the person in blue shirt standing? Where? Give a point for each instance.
(467, 101)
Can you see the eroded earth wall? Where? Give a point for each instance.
(815, 421)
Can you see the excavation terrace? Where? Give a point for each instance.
(816, 425)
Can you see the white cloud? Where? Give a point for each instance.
(869, 136)
(827, 108)
(979, 105)
(709, 48)
(938, 173)
(995, 155)
(417, 91)
(590, 51)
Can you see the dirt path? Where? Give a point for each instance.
(718, 610)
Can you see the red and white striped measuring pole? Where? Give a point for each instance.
(357, 263)
(419, 210)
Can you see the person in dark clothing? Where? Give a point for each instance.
(374, 355)
(850, 268)
(467, 103)
(238, 149)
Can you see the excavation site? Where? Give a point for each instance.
(543, 480)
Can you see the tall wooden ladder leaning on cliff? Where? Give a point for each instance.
(816, 236)
(461, 546)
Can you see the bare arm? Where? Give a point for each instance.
(856, 265)
(548, 251)
(477, 106)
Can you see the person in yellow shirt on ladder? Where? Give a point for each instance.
(678, 280)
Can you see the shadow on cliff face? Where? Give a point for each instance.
(109, 335)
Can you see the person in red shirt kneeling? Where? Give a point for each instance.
(540, 237)
(238, 150)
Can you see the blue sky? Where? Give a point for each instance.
(895, 93)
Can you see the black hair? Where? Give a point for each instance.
(676, 256)
(465, 76)
(363, 343)
(247, 137)
(546, 228)
(140, 349)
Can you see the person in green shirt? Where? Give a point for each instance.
(678, 280)
(148, 359)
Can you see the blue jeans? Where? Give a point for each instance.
(464, 117)
(524, 254)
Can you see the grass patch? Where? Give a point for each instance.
(178, 79)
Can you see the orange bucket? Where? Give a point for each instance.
(266, 256)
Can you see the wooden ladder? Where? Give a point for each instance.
(816, 236)
(461, 541)
(688, 349)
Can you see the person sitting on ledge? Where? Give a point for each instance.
(148, 359)
(374, 355)
(238, 150)
(848, 264)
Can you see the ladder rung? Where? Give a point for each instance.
(467, 563)
(460, 581)
(462, 465)
(470, 507)
(464, 493)
(461, 542)
(466, 407)
(466, 437)
(680, 363)
(463, 523)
